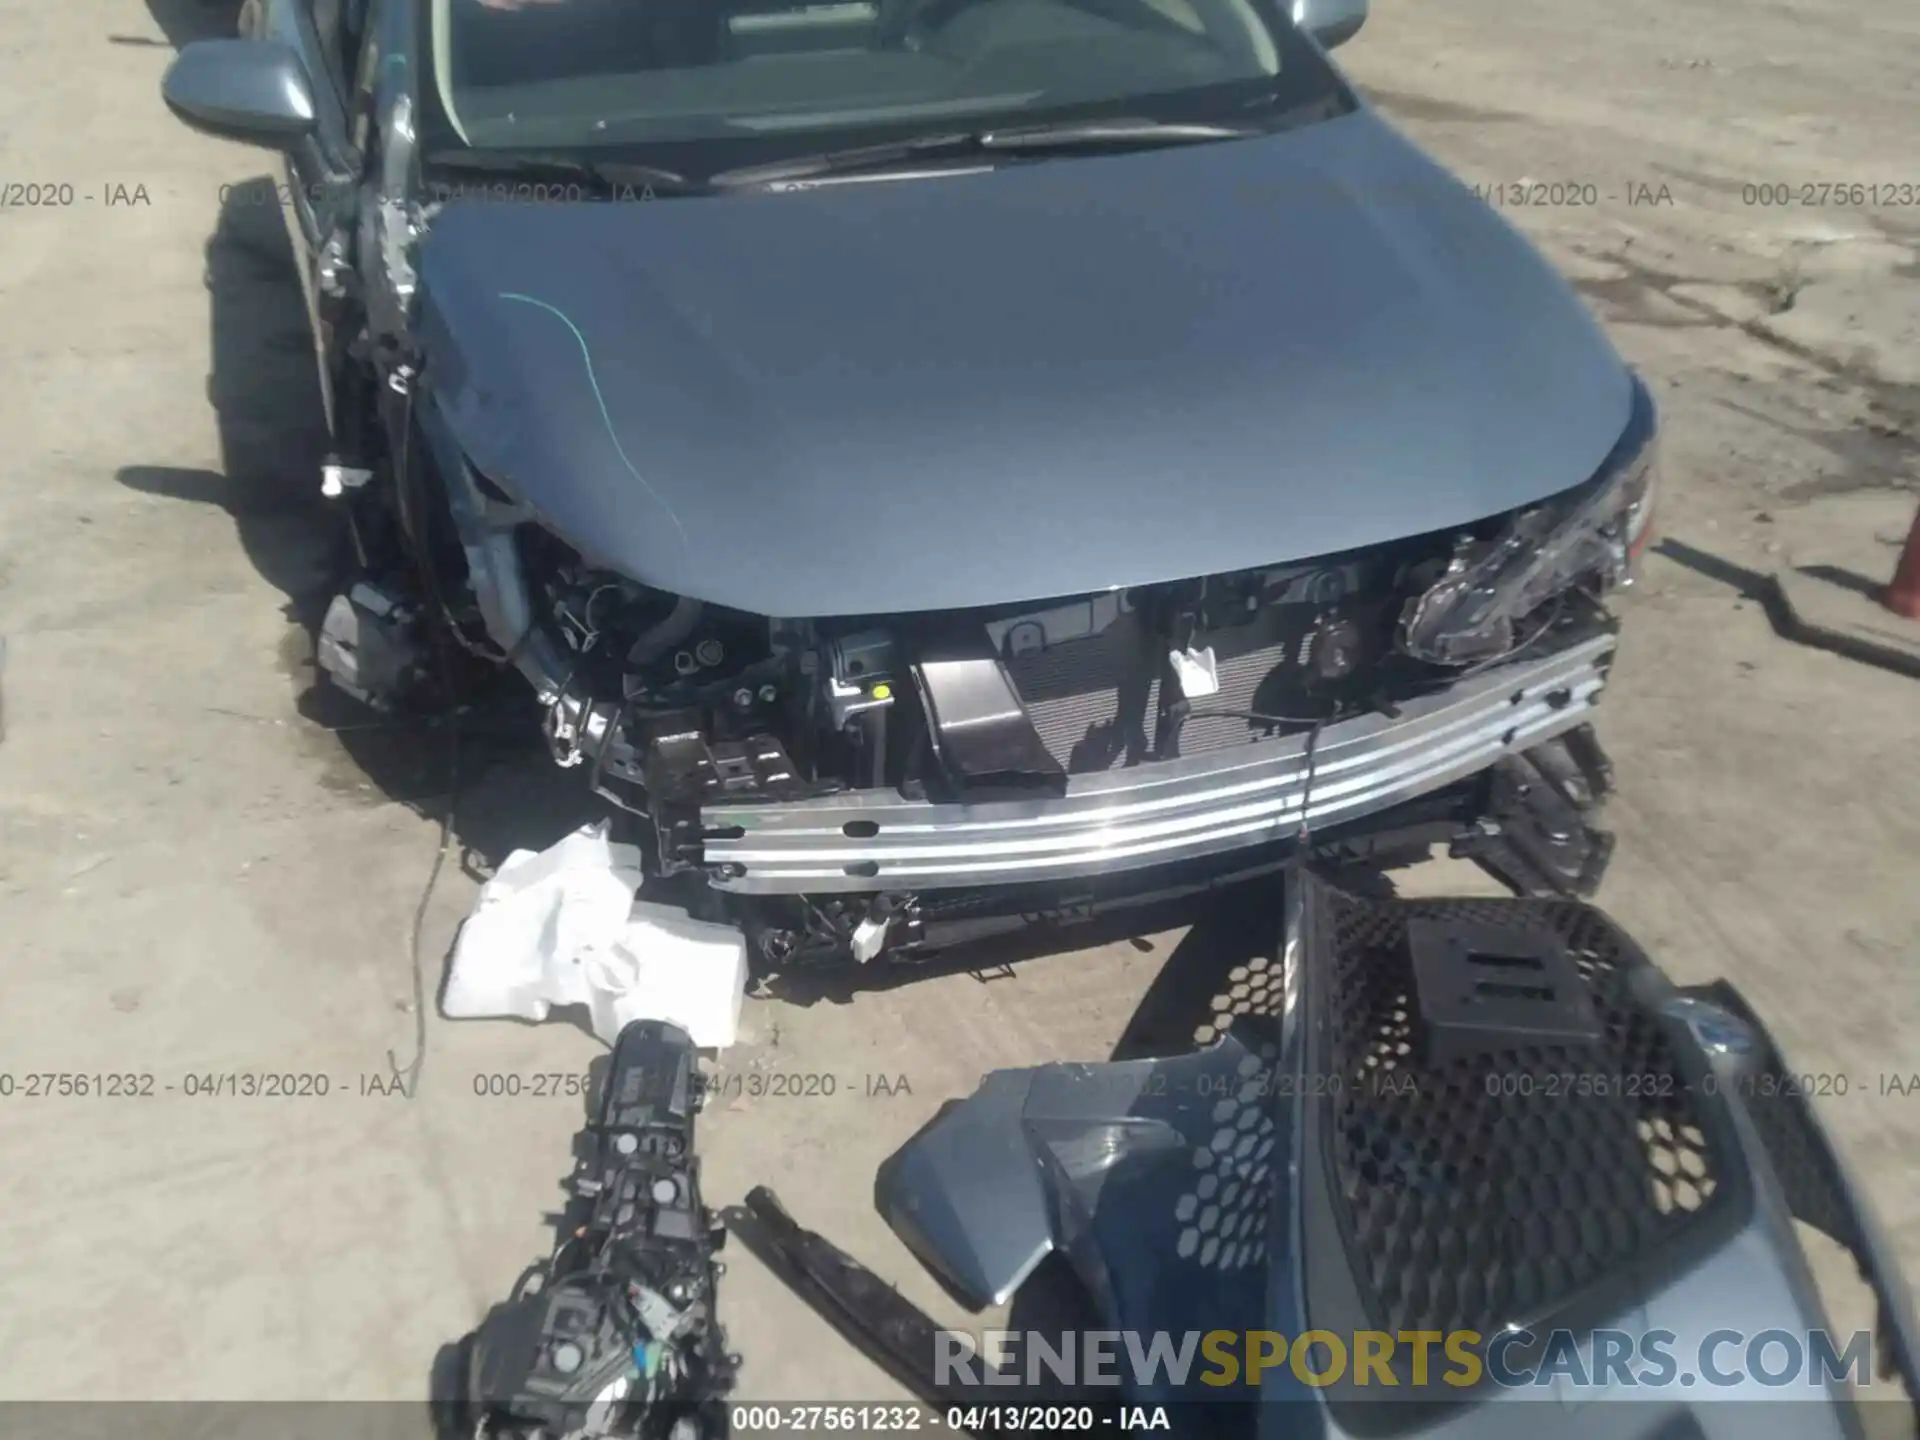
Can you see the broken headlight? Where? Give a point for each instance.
(1592, 536)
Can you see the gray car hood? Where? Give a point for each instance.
(1052, 378)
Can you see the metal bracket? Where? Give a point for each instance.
(1537, 837)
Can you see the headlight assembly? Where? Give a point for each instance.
(1592, 536)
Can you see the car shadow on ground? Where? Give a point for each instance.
(266, 403)
(273, 439)
(1228, 965)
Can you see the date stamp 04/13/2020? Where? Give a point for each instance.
(288, 1084)
(756, 1084)
(980, 1418)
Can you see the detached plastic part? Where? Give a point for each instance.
(883, 1324)
(369, 646)
(1197, 672)
(982, 732)
(1512, 1180)
(666, 965)
(560, 927)
(1481, 988)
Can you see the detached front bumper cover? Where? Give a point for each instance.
(1101, 1165)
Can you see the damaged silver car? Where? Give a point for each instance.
(942, 463)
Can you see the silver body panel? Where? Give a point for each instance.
(1156, 812)
(1049, 380)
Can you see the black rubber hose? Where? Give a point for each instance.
(668, 633)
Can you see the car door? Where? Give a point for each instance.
(323, 170)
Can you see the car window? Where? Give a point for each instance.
(514, 73)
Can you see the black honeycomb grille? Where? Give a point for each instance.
(1493, 1189)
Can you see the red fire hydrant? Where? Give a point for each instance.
(1903, 595)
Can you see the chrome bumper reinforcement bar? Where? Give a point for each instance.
(1148, 814)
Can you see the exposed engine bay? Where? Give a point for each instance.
(816, 767)
(619, 1338)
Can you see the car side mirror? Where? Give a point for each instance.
(253, 91)
(1331, 22)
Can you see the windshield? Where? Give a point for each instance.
(791, 76)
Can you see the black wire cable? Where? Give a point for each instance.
(1304, 840)
(1260, 718)
(1512, 652)
(1306, 786)
(1315, 724)
(409, 1074)
(1520, 647)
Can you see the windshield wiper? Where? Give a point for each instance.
(1080, 135)
(851, 161)
(522, 174)
(1092, 134)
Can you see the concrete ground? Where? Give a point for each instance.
(198, 878)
